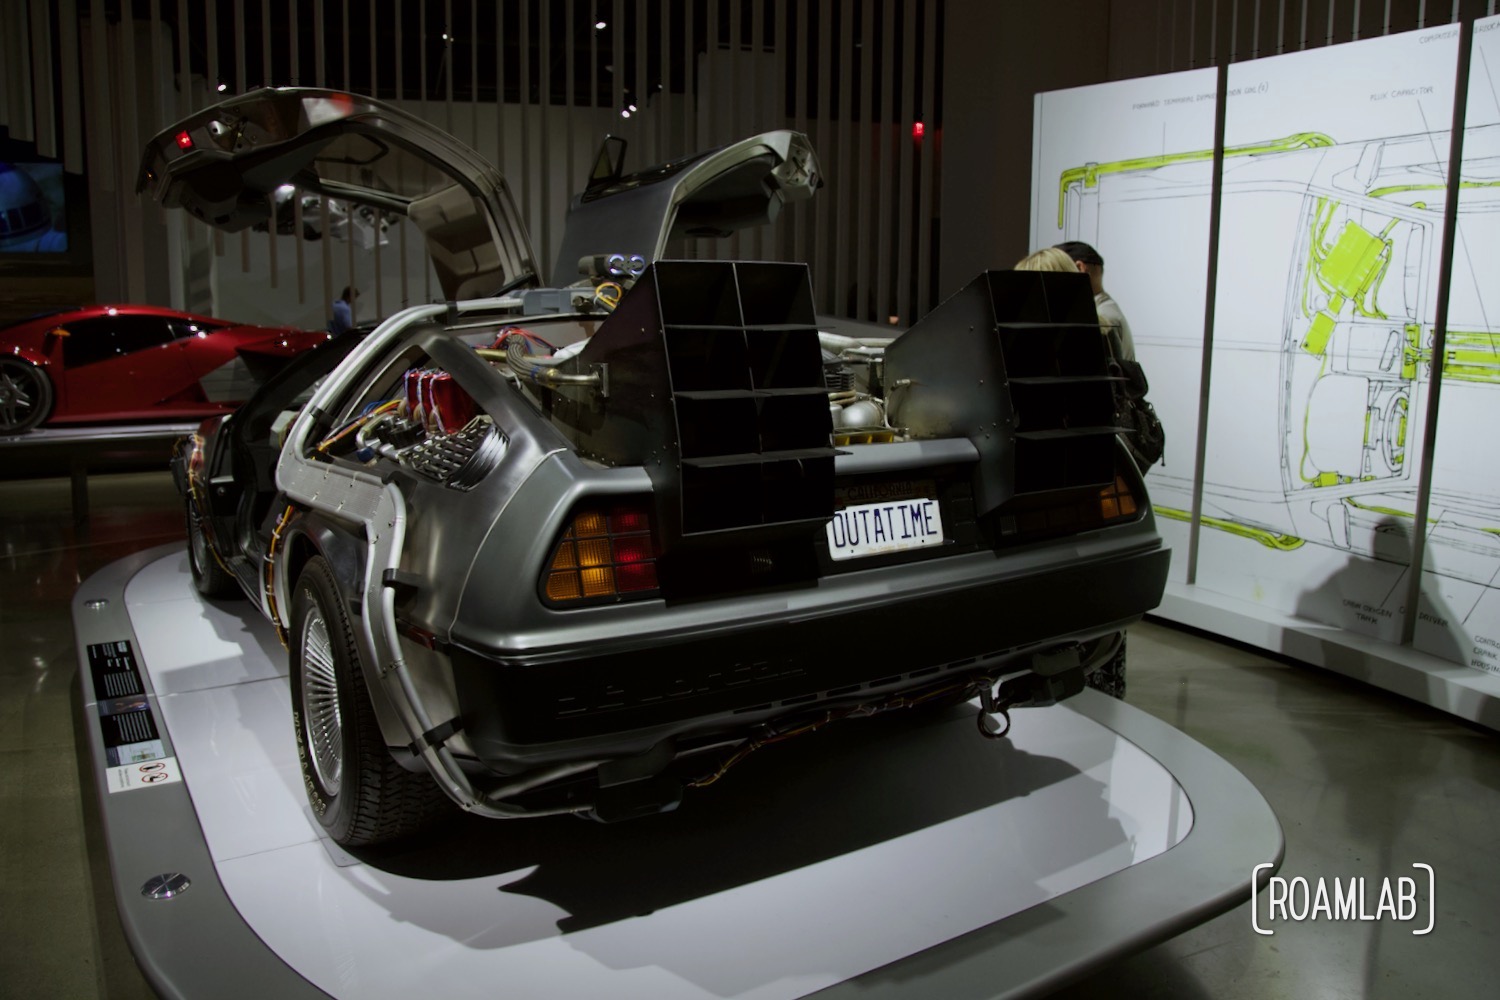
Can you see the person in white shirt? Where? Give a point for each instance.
(1087, 260)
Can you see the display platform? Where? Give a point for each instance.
(1450, 687)
(886, 857)
(79, 450)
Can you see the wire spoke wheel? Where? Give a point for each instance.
(324, 730)
(359, 793)
(209, 575)
(197, 542)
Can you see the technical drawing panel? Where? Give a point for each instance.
(1334, 185)
(1459, 614)
(1328, 273)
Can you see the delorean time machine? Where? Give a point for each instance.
(574, 545)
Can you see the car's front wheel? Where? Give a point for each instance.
(356, 789)
(210, 578)
(25, 396)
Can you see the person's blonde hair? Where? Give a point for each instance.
(1047, 259)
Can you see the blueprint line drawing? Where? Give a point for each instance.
(1324, 332)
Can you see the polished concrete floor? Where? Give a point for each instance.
(1365, 784)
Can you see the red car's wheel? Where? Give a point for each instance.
(25, 396)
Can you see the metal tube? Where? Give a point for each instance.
(1209, 300)
(1439, 331)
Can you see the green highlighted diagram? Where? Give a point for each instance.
(1351, 337)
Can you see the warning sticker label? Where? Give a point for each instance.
(132, 776)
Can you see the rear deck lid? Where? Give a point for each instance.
(706, 195)
(225, 164)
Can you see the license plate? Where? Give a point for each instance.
(869, 529)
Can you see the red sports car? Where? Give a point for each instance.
(126, 363)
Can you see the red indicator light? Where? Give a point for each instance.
(635, 576)
(633, 549)
(623, 520)
(184, 141)
(918, 130)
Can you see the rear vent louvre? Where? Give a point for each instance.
(1015, 362)
(748, 395)
(1063, 399)
(717, 387)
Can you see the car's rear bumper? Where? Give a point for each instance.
(518, 714)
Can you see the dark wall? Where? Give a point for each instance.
(996, 56)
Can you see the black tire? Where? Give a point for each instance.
(25, 396)
(1109, 676)
(210, 578)
(358, 792)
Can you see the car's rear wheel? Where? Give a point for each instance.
(25, 396)
(356, 789)
(210, 578)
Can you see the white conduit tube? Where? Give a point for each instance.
(394, 671)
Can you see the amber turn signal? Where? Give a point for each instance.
(605, 554)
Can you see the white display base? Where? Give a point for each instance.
(69, 434)
(849, 862)
(1459, 690)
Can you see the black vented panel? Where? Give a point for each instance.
(1064, 461)
(748, 395)
(1063, 397)
(704, 359)
(1052, 350)
(1015, 362)
(717, 387)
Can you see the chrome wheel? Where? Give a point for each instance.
(197, 543)
(25, 396)
(323, 733)
(209, 576)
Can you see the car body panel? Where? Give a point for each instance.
(143, 363)
(225, 164)
(709, 194)
(459, 460)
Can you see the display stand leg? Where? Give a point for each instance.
(78, 472)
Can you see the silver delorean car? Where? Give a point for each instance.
(575, 545)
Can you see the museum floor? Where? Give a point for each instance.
(1364, 783)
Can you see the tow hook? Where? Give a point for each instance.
(994, 716)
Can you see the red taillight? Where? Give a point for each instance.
(624, 520)
(604, 554)
(634, 549)
(635, 577)
(184, 141)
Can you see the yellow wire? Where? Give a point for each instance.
(270, 575)
(608, 294)
(355, 425)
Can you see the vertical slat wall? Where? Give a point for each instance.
(543, 85)
(1183, 32)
